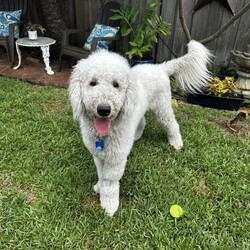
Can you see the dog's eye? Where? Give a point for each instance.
(93, 83)
(115, 84)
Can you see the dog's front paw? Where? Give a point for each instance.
(109, 196)
(176, 143)
(176, 146)
(110, 208)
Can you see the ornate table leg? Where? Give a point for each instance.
(19, 56)
(45, 52)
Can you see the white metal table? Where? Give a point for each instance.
(43, 43)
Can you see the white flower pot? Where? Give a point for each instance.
(32, 34)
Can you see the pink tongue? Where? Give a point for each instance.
(102, 125)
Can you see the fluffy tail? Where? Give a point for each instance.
(190, 70)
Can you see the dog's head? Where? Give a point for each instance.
(98, 88)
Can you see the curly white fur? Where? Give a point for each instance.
(141, 88)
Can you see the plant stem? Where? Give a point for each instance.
(183, 21)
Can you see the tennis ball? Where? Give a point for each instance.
(176, 211)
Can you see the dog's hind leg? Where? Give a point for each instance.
(164, 112)
(140, 129)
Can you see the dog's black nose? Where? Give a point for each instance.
(103, 109)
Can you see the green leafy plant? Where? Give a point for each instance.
(225, 87)
(246, 101)
(144, 32)
(223, 70)
(223, 82)
(35, 26)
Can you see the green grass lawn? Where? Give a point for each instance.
(46, 179)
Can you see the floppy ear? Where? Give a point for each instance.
(75, 93)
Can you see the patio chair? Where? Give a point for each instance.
(81, 51)
(15, 24)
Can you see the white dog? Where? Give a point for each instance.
(109, 99)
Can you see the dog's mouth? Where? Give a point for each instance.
(102, 125)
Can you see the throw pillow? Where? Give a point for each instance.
(6, 18)
(101, 30)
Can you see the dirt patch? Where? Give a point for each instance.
(239, 124)
(55, 107)
(92, 202)
(30, 195)
(201, 188)
(6, 184)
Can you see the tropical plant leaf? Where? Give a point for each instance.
(115, 10)
(140, 53)
(144, 32)
(116, 17)
(134, 15)
(133, 43)
(125, 30)
(132, 53)
(145, 48)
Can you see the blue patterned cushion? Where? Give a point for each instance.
(101, 30)
(6, 18)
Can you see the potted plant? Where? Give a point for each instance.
(143, 33)
(222, 92)
(32, 29)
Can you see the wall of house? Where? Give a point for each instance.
(201, 23)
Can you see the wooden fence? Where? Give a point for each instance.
(201, 23)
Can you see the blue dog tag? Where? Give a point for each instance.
(99, 145)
